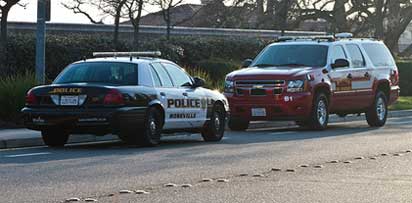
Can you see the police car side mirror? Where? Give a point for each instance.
(340, 63)
(246, 63)
(198, 82)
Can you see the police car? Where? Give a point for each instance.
(134, 95)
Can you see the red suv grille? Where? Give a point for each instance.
(259, 87)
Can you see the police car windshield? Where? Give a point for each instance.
(292, 56)
(110, 73)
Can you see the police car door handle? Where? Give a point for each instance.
(184, 94)
(349, 76)
(162, 94)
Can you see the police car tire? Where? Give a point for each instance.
(238, 124)
(212, 133)
(314, 121)
(54, 137)
(144, 137)
(372, 116)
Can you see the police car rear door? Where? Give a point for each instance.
(171, 99)
(195, 108)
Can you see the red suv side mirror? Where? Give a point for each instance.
(246, 63)
(340, 63)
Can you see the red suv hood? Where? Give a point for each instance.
(254, 73)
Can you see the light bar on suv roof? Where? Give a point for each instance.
(129, 54)
(328, 38)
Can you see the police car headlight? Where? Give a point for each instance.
(296, 86)
(229, 86)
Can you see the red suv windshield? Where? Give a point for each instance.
(292, 55)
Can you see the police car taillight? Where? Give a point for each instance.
(31, 98)
(113, 97)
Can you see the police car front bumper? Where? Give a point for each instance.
(94, 121)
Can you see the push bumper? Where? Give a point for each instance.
(95, 121)
(293, 106)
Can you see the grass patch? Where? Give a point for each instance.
(403, 103)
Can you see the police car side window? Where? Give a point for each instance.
(163, 75)
(358, 61)
(156, 79)
(180, 78)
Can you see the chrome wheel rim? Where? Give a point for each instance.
(322, 112)
(152, 126)
(380, 108)
(217, 121)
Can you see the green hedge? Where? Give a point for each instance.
(12, 95)
(405, 78)
(186, 51)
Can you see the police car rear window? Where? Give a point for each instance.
(112, 73)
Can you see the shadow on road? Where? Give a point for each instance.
(170, 146)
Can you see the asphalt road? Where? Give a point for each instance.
(101, 170)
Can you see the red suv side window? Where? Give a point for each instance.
(358, 61)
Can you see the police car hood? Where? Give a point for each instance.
(269, 73)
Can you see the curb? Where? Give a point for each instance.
(332, 119)
(37, 140)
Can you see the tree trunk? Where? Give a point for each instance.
(260, 13)
(339, 13)
(116, 29)
(270, 9)
(379, 19)
(136, 36)
(168, 25)
(395, 27)
(3, 26)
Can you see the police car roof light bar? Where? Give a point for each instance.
(128, 54)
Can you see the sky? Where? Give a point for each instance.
(58, 12)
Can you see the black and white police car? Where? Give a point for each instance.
(134, 95)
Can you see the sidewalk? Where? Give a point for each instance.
(15, 138)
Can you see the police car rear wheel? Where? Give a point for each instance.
(214, 129)
(54, 137)
(377, 114)
(238, 124)
(150, 135)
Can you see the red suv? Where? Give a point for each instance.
(306, 79)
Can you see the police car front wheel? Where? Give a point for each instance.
(214, 129)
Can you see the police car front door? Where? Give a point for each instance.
(192, 104)
(172, 99)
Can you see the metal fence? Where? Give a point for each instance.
(157, 30)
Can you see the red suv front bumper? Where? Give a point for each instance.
(285, 106)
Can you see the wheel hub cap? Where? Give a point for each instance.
(380, 109)
(322, 112)
(152, 126)
(217, 122)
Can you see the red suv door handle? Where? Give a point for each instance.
(349, 76)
